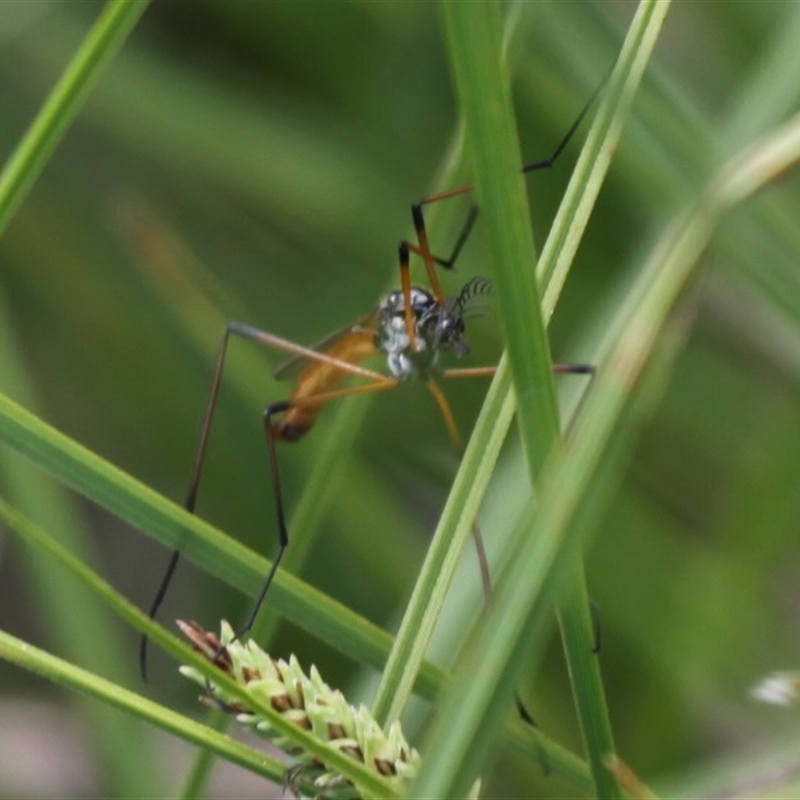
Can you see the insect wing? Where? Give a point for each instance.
(289, 369)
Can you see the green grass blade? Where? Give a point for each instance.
(486, 104)
(101, 43)
(485, 99)
(63, 673)
(474, 38)
(578, 483)
(436, 577)
(575, 620)
(170, 524)
(33, 535)
(69, 613)
(443, 555)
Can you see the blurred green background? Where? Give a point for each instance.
(257, 161)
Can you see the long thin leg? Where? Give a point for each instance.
(487, 372)
(422, 246)
(597, 627)
(191, 495)
(283, 532)
(266, 339)
(455, 437)
(574, 369)
(543, 163)
(477, 536)
(458, 445)
(405, 284)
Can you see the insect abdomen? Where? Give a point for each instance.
(316, 381)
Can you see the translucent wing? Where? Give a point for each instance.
(289, 369)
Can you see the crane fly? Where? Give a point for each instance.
(411, 328)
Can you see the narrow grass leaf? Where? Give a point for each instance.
(101, 43)
(123, 495)
(176, 647)
(69, 613)
(485, 100)
(68, 675)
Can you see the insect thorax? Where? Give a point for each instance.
(436, 328)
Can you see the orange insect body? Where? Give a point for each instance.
(436, 326)
(318, 378)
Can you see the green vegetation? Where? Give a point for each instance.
(257, 161)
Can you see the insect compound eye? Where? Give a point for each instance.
(450, 333)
